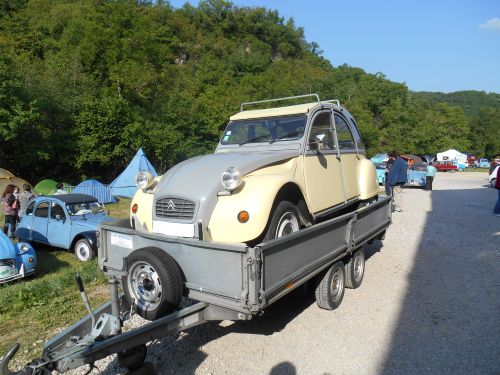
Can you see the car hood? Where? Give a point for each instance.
(7, 248)
(90, 221)
(199, 179)
(195, 176)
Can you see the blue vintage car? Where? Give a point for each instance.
(380, 168)
(16, 260)
(68, 221)
(417, 175)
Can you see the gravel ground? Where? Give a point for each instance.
(429, 303)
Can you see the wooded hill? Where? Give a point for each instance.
(85, 83)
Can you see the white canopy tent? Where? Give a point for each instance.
(450, 155)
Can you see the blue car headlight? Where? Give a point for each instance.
(23, 247)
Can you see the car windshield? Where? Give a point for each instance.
(270, 130)
(78, 209)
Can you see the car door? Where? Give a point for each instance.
(59, 226)
(24, 229)
(39, 226)
(322, 172)
(349, 156)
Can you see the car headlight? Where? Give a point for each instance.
(143, 180)
(23, 248)
(231, 179)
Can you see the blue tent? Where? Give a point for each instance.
(94, 188)
(124, 184)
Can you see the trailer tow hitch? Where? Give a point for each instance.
(62, 352)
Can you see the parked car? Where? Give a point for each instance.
(417, 175)
(379, 158)
(460, 165)
(445, 166)
(68, 221)
(380, 168)
(484, 163)
(16, 260)
(492, 178)
(274, 171)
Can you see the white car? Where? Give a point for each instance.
(492, 178)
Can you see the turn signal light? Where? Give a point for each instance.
(135, 207)
(30, 260)
(243, 216)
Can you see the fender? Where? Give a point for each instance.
(256, 196)
(367, 179)
(90, 236)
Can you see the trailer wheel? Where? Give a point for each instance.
(330, 290)
(355, 269)
(285, 221)
(153, 283)
(132, 358)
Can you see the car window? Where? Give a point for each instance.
(357, 136)
(42, 210)
(264, 130)
(29, 209)
(322, 125)
(344, 135)
(56, 210)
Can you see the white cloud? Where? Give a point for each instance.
(492, 25)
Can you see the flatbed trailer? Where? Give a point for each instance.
(229, 281)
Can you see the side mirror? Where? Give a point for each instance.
(318, 141)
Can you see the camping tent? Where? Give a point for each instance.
(46, 187)
(452, 154)
(7, 177)
(124, 184)
(94, 188)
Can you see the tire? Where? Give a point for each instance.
(132, 358)
(153, 283)
(493, 182)
(355, 269)
(285, 221)
(83, 250)
(460, 169)
(330, 290)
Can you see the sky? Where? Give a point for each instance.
(440, 45)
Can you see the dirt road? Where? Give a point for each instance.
(429, 303)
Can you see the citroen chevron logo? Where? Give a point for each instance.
(170, 205)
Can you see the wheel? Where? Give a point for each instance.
(285, 221)
(83, 250)
(355, 269)
(132, 358)
(460, 169)
(153, 283)
(330, 290)
(493, 182)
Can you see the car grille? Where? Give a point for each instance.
(7, 263)
(175, 208)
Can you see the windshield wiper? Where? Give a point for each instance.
(255, 139)
(286, 135)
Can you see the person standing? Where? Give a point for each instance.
(392, 156)
(9, 210)
(24, 199)
(429, 177)
(496, 209)
(397, 178)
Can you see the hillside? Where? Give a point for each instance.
(470, 101)
(84, 84)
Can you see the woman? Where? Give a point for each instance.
(10, 208)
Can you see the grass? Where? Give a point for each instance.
(35, 309)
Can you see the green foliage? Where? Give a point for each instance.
(83, 84)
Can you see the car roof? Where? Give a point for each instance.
(72, 198)
(280, 111)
